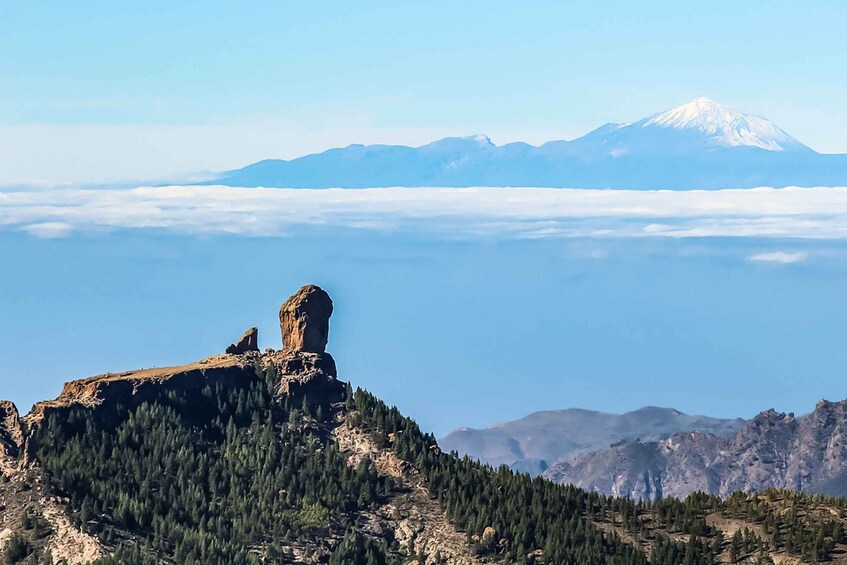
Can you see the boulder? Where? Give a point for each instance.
(304, 320)
(248, 342)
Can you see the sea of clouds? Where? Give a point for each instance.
(816, 213)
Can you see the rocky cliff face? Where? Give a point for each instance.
(304, 320)
(772, 450)
(303, 367)
(11, 432)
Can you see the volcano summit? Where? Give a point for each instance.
(698, 145)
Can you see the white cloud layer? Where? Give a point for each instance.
(49, 230)
(781, 257)
(819, 213)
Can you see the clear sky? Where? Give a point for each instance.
(98, 90)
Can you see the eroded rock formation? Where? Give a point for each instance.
(110, 394)
(303, 365)
(248, 342)
(304, 320)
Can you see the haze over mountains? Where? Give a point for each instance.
(773, 450)
(699, 145)
(539, 440)
(653, 452)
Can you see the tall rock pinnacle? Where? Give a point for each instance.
(304, 320)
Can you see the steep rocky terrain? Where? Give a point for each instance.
(34, 522)
(267, 457)
(53, 507)
(539, 440)
(773, 450)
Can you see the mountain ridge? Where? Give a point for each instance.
(772, 450)
(542, 438)
(698, 145)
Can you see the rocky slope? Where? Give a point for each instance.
(539, 440)
(773, 450)
(34, 523)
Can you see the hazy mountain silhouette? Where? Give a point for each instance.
(701, 144)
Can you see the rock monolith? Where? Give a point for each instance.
(304, 320)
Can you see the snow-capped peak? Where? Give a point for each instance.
(725, 126)
(477, 142)
(480, 138)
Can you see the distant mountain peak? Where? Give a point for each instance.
(698, 145)
(466, 143)
(480, 138)
(539, 439)
(725, 126)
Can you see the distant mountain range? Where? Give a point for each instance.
(539, 440)
(652, 453)
(773, 450)
(699, 145)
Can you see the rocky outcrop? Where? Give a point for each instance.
(772, 450)
(107, 395)
(11, 432)
(303, 366)
(312, 375)
(248, 342)
(304, 320)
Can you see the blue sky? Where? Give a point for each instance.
(463, 307)
(103, 91)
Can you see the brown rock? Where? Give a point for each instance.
(104, 394)
(302, 373)
(304, 320)
(248, 342)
